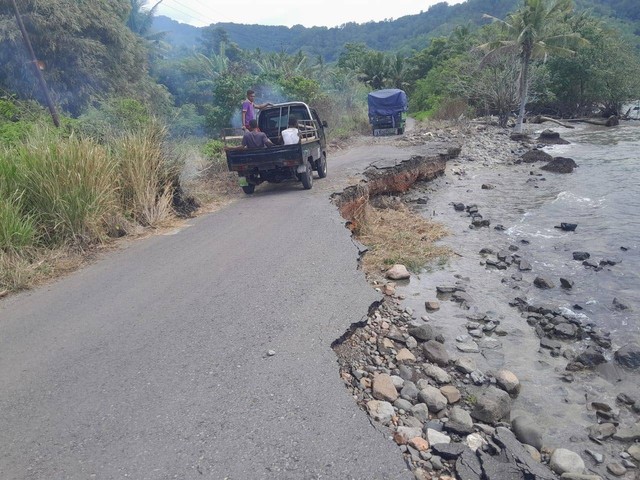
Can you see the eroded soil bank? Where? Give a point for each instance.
(454, 365)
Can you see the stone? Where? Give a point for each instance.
(619, 304)
(433, 398)
(508, 382)
(543, 282)
(616, 469)
(403, 434)
(566, 461)
(437, 373)
(629, 356)
(435, 437)
(566, 283)
(460, 416)
(536, 155)
(468, 466)
(383, 388)
(402, 404)
(591, 357)
(601, 431)
(580, 256)
(465, 364)
(419, 444)
(405, 356)
(423, 332)
(492, 405)
(432, 305)
(579, 476)
(380, 411)
(435, 352)
(468, 347)
(451, 393)
(527, 431)
(560, 165)
(475, 441)
(634, 451)
(397, 272)
(421, 412)
(409, 391)
(535, 454)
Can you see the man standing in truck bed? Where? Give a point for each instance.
(249, 109)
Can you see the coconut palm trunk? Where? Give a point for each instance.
(523, 90)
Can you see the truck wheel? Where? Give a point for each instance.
(307, 177)
(249, 189)
(322, 166)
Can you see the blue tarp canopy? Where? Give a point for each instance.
(387, 102)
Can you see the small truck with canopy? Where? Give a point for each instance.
(280, 162)
(387, 111)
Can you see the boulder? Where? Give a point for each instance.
(435, 352)
(397, 272)
(492, 405)
(629, 356)
(566, 461)
(527, 432)
(560, 165)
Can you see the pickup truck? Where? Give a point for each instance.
(280, 162)
(387, 111)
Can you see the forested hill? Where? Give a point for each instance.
(402, 34)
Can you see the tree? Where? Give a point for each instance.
(534, 31)
(603, 75)
(86, 48)
(140, 19)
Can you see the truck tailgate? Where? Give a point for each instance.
(264, 158)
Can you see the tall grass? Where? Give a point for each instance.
(17, 230)
(68, 186)
(145, 175)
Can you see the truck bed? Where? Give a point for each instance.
(245, 159)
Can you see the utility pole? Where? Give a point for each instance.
(34, 61)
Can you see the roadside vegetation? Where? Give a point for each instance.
(140, 136)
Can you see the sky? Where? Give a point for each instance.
(309, 13)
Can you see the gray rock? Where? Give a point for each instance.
(409, 391)
(566, 283)
(406, 372)
(581, 256)
(560, 165)
(579, 476)
(468, 347)
(563, 460)
(634, 451)
(380, 411)
(434, 437)
(421, 412)
(465, 364)
(508, 382)
(437, 373)
(492, 405)
(423, 332)
(478, 378)
(543, 282)
(433, 398)
(402, 404)
(597, 457)
(616, 469)
(601, 431)
(629, 356)
(619, 304)
(527, 431)
(515, 453)
(435, 352)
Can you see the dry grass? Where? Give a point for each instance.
(397, 235)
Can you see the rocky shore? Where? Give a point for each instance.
(469, 373)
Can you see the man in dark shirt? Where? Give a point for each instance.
(255, 139)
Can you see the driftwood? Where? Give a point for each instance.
(540, 119)
(612, 121)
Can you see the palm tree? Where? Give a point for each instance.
(536, 30)
(140, 18)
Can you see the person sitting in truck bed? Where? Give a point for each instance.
(254, 138)
(291, 135)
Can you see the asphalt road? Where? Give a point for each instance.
(152, 362)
